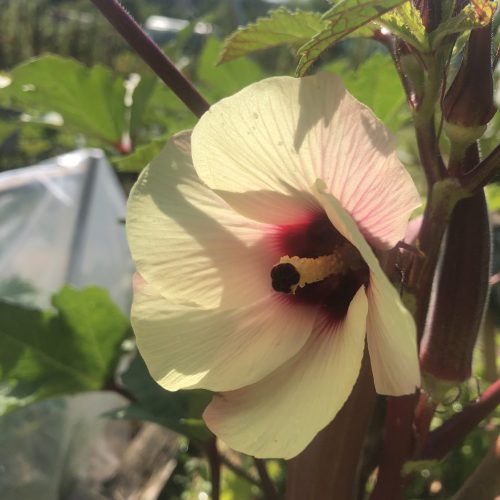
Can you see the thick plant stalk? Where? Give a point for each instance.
(461, 288)
(460, 293)
(327, 469)
(400, 411)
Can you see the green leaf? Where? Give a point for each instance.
(344, 18)
(406, 23)
(493, 197)
(221, 81)
(475, 15)
(376, 84)
(180, 411)
(90, 100)
(137, 160)
(141, 98)
(49, 353)
(279, 28)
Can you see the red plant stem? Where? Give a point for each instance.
(483, 173)
(399, 441)
(266, 482)
(151, 54)
(423, 417)
(214, 462)
(453, 431)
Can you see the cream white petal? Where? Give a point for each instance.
(391, 340)
(189, 243)
(280, 415)
(283, 133)
(391, 331)
(220, 349)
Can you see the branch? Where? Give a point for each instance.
(428, 148)
(398, 446)
(442, 200)
(150, 53)
(240, 471)
(214, 462)
(266, 483)
(454, 430)
(483, 173)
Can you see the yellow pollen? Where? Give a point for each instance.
(316, 269)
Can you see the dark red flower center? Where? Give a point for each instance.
(316, 238)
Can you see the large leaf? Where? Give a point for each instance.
(156, 110)
(136, 161)
(49, 353)
(224, 80)
(90, 100)
(377, 84)
(180, 411)
(343, 18)
(281, 27)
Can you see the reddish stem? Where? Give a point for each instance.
(152, 55)
(214, 462)
(267, 484)
(423, 418)
(399, 442)
(454, 430)
(483, 173)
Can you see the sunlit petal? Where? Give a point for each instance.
(281, 134)
(221, 349)
(391, 330)
(189, 243)
(280, 415)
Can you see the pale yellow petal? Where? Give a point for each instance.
(391, 331)
(281, 414)
(189, 243)
(221, 349)
(283, 133)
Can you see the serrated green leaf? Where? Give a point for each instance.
(406, 23)
(281, 27)
(344, 18)
(49, 353)
(475, 15)
(90, 100)
(180, 411)
(377, 84)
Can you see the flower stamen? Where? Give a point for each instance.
(294, 272)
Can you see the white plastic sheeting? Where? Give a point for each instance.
(62, 222)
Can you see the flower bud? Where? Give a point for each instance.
(459, 294)
(468, 105)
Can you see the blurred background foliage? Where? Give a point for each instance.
(67, 80)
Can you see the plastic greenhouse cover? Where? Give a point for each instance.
(61, 221)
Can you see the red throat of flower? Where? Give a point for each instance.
(319, 266)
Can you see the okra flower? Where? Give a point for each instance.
(252, 238)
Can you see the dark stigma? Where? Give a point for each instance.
(284, 276)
